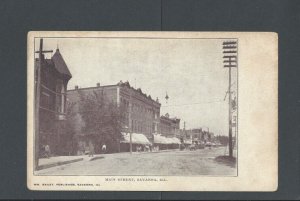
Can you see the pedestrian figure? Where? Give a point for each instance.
(42, 152)
(91, 148)
(138, 148)
(146, 148)
(47, 151)
(103, 148)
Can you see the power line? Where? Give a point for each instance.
(193, 103)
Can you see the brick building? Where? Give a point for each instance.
(141, 114)
(169, 127)
(197, 134)
(52, 110)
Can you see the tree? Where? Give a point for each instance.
(70, 129)
(103, 120)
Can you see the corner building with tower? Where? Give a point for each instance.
(54, 78)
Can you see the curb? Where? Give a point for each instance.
(41, 167)
(160, 151)
(96, 158)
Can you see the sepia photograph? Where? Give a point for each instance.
(107, 107)
(141, 108)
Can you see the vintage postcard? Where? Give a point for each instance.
(152, 111)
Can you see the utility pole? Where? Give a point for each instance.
(230, 60)
(130, 122)
(184, 132)
(207, 132)
(209, 137)
(230, 116)
(37, 103)
(235, 130)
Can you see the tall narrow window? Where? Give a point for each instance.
(45, 102)
(63, 94)
(58, 104)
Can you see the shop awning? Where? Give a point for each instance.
(174, 140)
(137, 138)
(160, 139)
(186, 141)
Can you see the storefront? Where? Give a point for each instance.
(139, 142)
(161, 142)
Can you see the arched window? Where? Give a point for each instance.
(58, 90)
(63, 98)
(60, 96)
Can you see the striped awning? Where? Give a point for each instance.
(187, 141)
(160, 139)
(137, 138)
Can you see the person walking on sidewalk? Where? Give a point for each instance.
(91, 148)
(47, 151)
(104, 148)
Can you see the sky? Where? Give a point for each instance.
(190, 71)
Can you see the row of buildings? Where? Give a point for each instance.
(142, 117)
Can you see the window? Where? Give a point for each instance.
(45, 100)
(60, 96)
(63, 97)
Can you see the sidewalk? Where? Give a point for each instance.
(58, 160)
(159, 151)
(45, 163)
(63, 160)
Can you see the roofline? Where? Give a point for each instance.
(86, 88)
(174, 118)
(139, 91)
(50, 60)
(114, 85)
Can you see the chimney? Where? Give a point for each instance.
(98, 84)
(76, 87)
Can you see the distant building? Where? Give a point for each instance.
(169, 127)
(208, 136)
(141, 114)
(197, 134)
(54, 80)
(184, 133)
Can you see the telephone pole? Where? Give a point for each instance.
(37, 104)
(130, 122)
(184, 132)
(230, 61)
